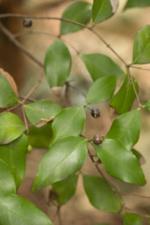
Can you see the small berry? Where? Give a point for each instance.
(97, 140)
(27, 22)
(95, 113)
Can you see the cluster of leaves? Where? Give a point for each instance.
(60, 130)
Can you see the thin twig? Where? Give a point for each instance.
(10, 36)
(59, 215)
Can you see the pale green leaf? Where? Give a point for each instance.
(11, 127)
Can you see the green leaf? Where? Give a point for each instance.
(7, 183)
(126, 128)
(40, 137)
(102, 10)
(8, 97)
(63, 159)
(132, 219)
(119, 162)
(141, 49)
(79, 12)
(65, 189)
(137, 3)
(16, 210)
(70, 121)
(101, 90)
(57, 64)
(124, 98)
(147, 105)
(11, 127)
(99, 65)
(41, 112)
(101, 194)
(14, 154)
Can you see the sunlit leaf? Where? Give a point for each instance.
(11, 127)
(63, 159)
(132, 219)
(119, 162)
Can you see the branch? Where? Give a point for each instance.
(10, 36)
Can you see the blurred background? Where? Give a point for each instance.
(119, 31)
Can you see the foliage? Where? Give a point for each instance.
(61, 129)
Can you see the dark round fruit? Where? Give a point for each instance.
(27, 22)
(97, 140)
(95, 113)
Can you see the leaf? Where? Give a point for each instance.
(123, 100)
(63, 159)
(79, 12)
(119, 162)
(102, 10)
(132, 219)
(41, 112)
(7, 183)
(57, 64)
(147, 105)
(11, 127)
(99, 65)
(137, 3)
(101, 195)
(40, 137)
(70, 121)
(126, 128)
(101, 90)
(65, 189)
(16, 210)
(14, 154)
(141, 49)
(8, 96)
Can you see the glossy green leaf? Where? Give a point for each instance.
(57, 64)
(65, 189)
(16, 210)
(132, 219)
(63, 159)
(119, 162)
(141, 49)
(40, 137)
(8, 97)
(11, 127)
(79, 12)
(99, 65)
(70, 121)
(41, 112)
(137, 3)
(102, 10)
(101, 194)
(124, 98)
(126, 128)
(7, 182)
(14, 154)
(101, 90)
